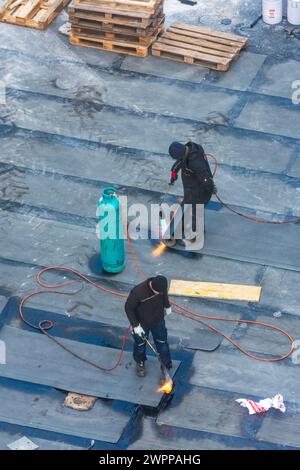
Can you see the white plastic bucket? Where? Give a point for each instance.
(293, 12)
(272, 11)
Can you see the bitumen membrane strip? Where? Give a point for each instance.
(155, 436)
(262, 379)
(209, 411)
(32, 357)
(43, 408)
(281, 429)
(43, 444)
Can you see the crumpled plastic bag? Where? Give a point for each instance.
(263, 405)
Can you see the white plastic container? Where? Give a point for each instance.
(293, 12)
(272, 11)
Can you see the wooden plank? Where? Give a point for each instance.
(126, 5)
(28, 9)
(112, 11)
(205, 50)
(219, 34)
(214, 290)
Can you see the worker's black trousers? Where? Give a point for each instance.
(160, 337)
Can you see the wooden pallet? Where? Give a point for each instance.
(148, 6)
(37, 14)
(114, 36)
(119, 47)
(81, 22)
(199, 46)
(106, 15)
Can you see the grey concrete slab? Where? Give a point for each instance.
(252, 190)
(91, 163)
(207, 411)
(241, 239)
(107, 126)
(234, 372)
(203, 339)
(146, 95)
(259, 191)
(164, 68)
(161, 437)
(241, 73)
(263, 116)
(67, 79)
(281, 429)
(75, 246)
(43, 409)
(50, 45)
(87, 119)
(267, 341)
(280, 292)
(295, 168)
(33, 358)
(277, 78)
(242, 149)
(3, 302)
(44, 444)
(84, 83)
(213, 12)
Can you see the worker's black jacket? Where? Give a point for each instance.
(196, 175)
(144, 307)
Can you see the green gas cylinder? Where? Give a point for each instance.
(111, 232)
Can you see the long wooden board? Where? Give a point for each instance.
(37, 14)
(214, 290)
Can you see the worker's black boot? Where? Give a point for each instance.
(140, 369)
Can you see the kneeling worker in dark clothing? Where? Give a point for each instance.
(146, 307)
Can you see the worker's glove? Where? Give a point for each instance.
(168, 311)
(138, 330)
(174, 177)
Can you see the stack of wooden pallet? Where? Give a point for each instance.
(36, 14)
(199, 46)
(122, 26)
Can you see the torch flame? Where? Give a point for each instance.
(167, 387)
(159, 250)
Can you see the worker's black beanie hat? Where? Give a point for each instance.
(177, 150)
(160, 283)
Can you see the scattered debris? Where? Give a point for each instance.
(22, 444)
(188, 2)
(65, 29)
(79, 402)
(277, 314)
(263, 405)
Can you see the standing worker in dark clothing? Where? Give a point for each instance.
(197, 180)
(146, 307)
